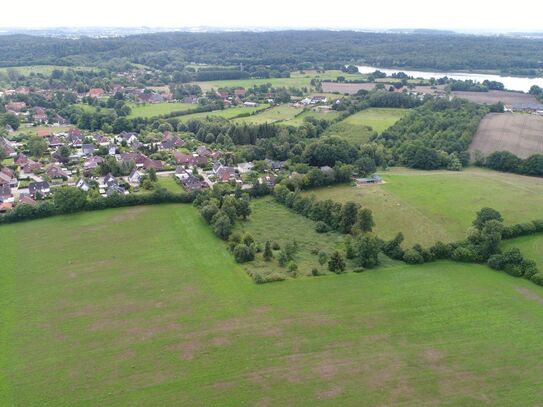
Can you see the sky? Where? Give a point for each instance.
(468, 15)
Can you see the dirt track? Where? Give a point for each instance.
(521, 134)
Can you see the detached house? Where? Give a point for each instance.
(5, 194)
(82, 184)
(39, 188)
(55, 172)
(134, 178)
(87, 149)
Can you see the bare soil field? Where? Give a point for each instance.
(495, 96)
(521, 134)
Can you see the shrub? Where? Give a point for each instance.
(314, 271)
(321, 227)
(514, 270)
(537, 278)
(441, 250)
(243, 253)
(529, 268)
(283, 258)
(275, 246)
(336, 264)
(359, 269)
(464, 254)
(496, 262)
(413, 256)
(292, 267)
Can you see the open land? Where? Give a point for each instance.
(518, 133)
(121, 311)
(440, 205)
(358, 128)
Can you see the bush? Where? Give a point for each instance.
(243, 253)
(514, 270)
(412, 256)
(496, 262)
(321, 227)
(464, 254)
(441, 250)
(359, 269)
(275, 246)
(292, 267)
(315, 271)
(537, 278)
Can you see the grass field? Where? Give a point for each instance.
(530, 246)
(158, 109)
(440, 205)
(229, 113)
(299, 120)
(144, 306)
(168, 182)
(297, 80)
(42, 69)
(518, 133)
(269, 220)
(34, 130)
(275, 114)
(355, 129)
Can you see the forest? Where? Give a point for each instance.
(295, 49)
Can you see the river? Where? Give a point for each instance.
(510, 82)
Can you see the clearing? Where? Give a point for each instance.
(427, 206)
(518, 133)
(359, 127)
(275, 114)
(144, 306)
(229, 113)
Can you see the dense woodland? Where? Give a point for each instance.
(299, 49)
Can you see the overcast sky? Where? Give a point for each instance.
(485, 15)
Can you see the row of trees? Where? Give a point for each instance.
(70, 199)
(508, 162)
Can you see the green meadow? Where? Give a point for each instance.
(530, 246)
(358, 128)
(300, 119)
(169, 183)
(275, 114)
(229, 113)
(158, 109)
(427, 206)
(144, 306)
(296, 80)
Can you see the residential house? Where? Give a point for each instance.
(7, 177)
(82, 184)
(189, 181)
(223, 173)
(5, 207)
(26, 200)
(203, 150)
(61, 121)
(39, 188)
(250, 104)
(268, 179)
(155, 164)
(15, 107)
(116, 189)
(7, 147)
(21, 159)
(55, 172)
(134, 178)
(39, 115)
(92, 163)
(31, 167)
(5, 193)
(245, 167)
(240, 92)
(96, 92)
(171, 142)
(87, 149)
(130, 138)
(44, 133)
(55, 141)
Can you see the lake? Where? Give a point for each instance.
(510, 82)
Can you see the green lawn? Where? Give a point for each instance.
(144, 306)
(440, 205)
(169, 182)
(358, 127)
(158, 109)
(530, 246)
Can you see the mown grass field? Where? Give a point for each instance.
(34, 130)
(168, 182)
(144, 306)
(530, 246)
(440, 205)
(158, 109)
(355, 129)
